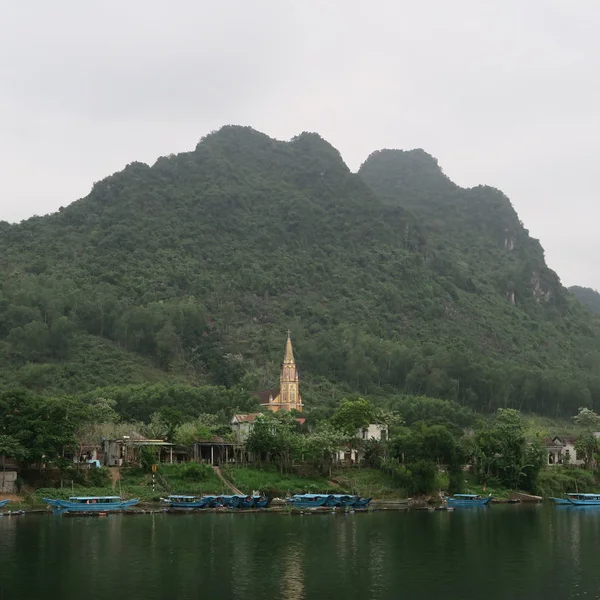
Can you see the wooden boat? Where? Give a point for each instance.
(525, 497)
(94, 504)
(4, 503)
(468, 500)
(179, 501)
(312, 500)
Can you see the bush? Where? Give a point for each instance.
(98, 477)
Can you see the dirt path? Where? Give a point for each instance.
(228, 484)
(115, 475)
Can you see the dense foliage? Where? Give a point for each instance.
(394, 281)
(588, 297)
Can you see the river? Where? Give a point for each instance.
(500, 552)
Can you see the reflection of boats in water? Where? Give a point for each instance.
(468, 500)
(578, 499)
(85, 504)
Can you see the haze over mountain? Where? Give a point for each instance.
(392, 280)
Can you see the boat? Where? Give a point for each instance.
(179, 501)
(238, 501)
(312, 501)
(568, 499)
(347, 501)
(521, 497)
(261, 501)
(584, 499)
(84, 504)
(468, 500)
(4, 503)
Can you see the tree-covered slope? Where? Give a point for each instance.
(193, 269)
(587, 296)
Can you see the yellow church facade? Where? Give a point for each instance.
(287, 397)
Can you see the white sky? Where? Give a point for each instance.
(502, 92)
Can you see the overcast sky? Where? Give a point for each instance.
(502, 92)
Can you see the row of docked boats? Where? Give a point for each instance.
(196, 502)
(327, 501)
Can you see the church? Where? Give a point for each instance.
(287, 396)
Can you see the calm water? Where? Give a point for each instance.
(499, 552)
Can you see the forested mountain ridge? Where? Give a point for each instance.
(587, 296)
(191, 270)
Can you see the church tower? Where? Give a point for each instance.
(289, 391)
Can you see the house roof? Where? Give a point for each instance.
(250, 418)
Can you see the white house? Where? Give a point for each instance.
(374, 431)
(561, 451)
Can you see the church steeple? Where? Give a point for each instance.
(289, 392)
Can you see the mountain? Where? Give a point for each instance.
(588, 297)
(393, 280)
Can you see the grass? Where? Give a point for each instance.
(274, 483)
(371, 483)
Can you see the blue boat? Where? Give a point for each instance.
(584, 499)
(468, 500)
(563, 501)
(189, 502)
(238, 501)
(347, 501)
(312, 501)
(4, 503)
(86, 504)
(261, 501)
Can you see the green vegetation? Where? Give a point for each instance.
(394, 282)
(587, 296)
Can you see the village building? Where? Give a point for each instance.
(126, 450)
(561, 451)
(287, 397)
(374, 431)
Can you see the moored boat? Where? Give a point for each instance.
(347, 501)
(84, 504)
(179, 501)
(238, 501)
(468, 500)
(4, 503)
(567, 499)
(584, 499)
(312, 501)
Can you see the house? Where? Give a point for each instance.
(374, 431)
(242, 425)
(287, 396)
(8, 475)
(217, 451)
(128, 448)
(561, 451)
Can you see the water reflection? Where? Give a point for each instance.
(500, 552)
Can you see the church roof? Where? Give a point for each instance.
(266, 394)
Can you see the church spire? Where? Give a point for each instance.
(289, 353)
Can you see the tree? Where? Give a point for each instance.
(353, 415)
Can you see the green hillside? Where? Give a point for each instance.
(587, 296)
(392, 280)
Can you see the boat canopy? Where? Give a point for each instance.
(311, 496)
(466, 496)
(595, 496)
(179, 497)
(86, 498)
